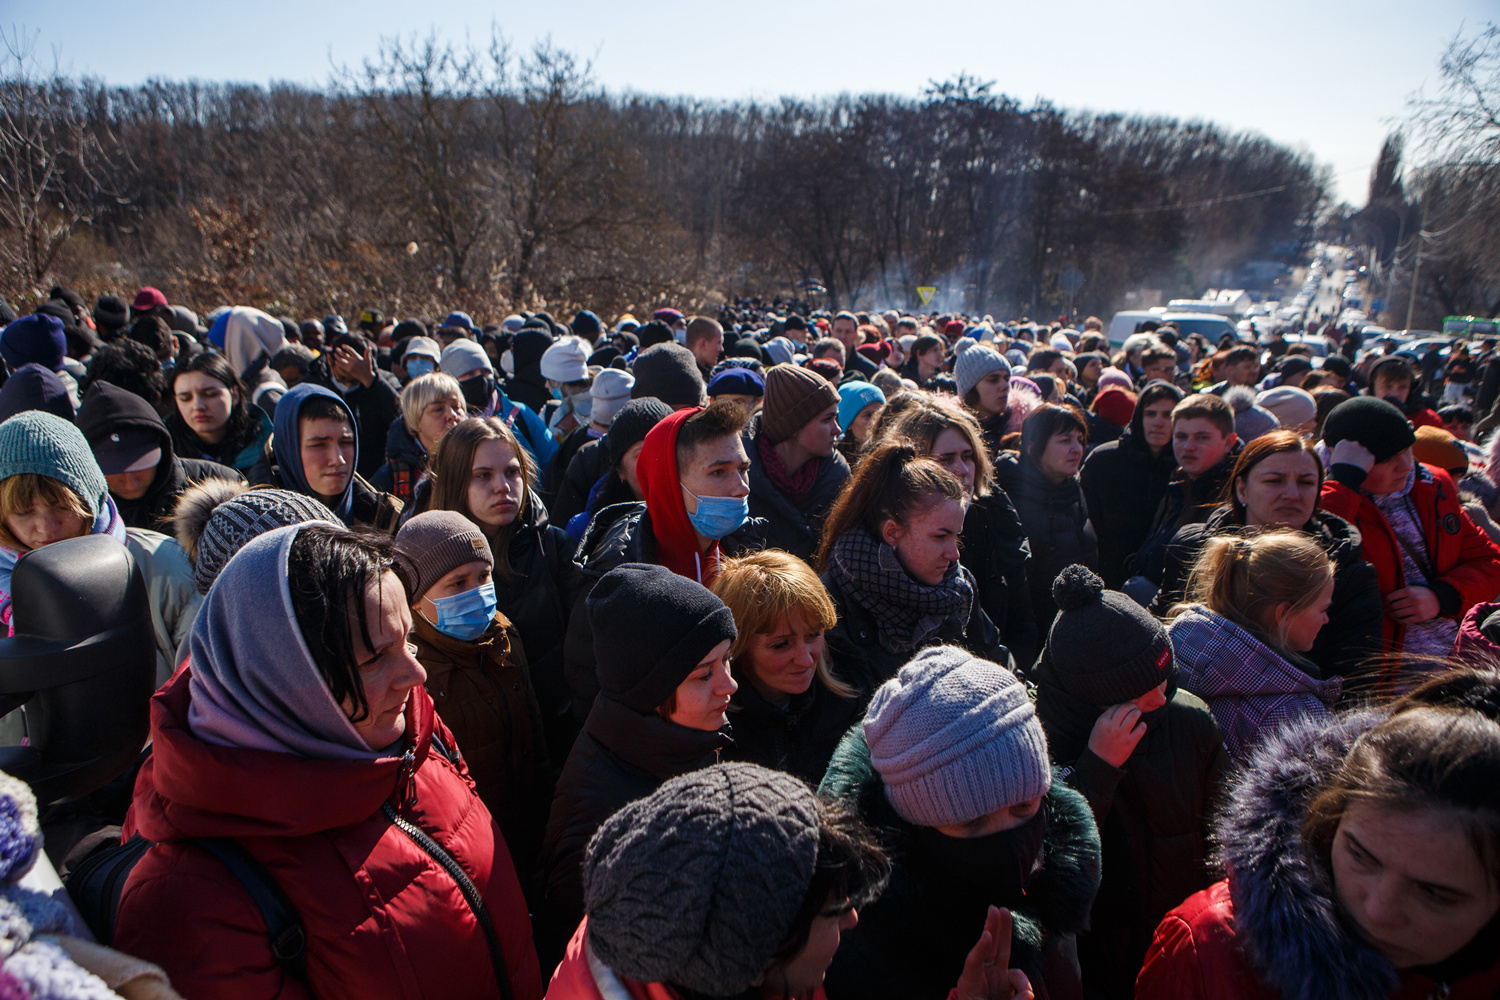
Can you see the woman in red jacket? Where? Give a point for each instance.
(300, 730)
(1363, 859)
(1432, 562)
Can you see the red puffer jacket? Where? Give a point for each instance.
(383, 918)
(1462, 555)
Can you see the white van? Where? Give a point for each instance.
(1211, 327)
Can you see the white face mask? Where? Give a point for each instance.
(679, 335)
(508, 363)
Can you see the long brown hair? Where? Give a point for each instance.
(925, 422)
(893, 483)
(450, 468)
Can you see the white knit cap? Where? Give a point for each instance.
(566, 361)
(610, 392)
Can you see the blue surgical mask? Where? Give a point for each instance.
(557, 392)
(418, 366)
(466, 616)
(718, 516)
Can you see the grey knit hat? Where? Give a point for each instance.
(698, 884)
(47, 445)
(954, 737)
(974, 364)
(436, 543)
(1105, 648)
(668, 372)
(249, 515)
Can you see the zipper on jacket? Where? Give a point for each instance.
(465, 886)
(406, 778)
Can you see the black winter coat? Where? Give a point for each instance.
(368, 507)
(1123, 484)
(862, 661)
(793, 527)
(1353, 630)
(910, 944)
(798, 739)
(1154, 818)
(583, 470)
(405, 462)
(1057, 525)
(620, 756)
(553, 475)
(996, 553)
(1187, 501)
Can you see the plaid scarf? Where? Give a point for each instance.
(793, 486)
(906, 612)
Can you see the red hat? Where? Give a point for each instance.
(1115, 405)
(148, 298)
(876, 352)
(955, 328)
(828, 368)
(667, 316)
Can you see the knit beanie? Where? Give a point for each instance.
(1114, 376)
(35, 387)
(462, 357)
(854, 396)
(1374, 423)
(48, 445)
(1292, 407)
(422, 347)
(1115, 405)
(566, 361)
(609, 392)
(35, 339)
(954, 737)
(974, 364)
(698, 884)
(586, 324)
(1435, 446)
(669, 372)
(794, 396)
(1250, 420)
(436, 543)
(632, 424)
(233, 523)
(640, 666)
(111, 314)
(780, 350)
(1105, 648)
(737, 382)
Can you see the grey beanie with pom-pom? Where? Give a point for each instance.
(1105, 648)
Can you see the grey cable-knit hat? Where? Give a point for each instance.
(437, 542)
(249, 515)
(954, 737)
(974, 364)
(698, 884)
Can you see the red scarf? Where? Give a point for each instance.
(676, 541)
(794, 485)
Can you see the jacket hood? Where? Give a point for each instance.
(107, 408)
(286, 442)
(527, 348)
(1151, 394)
(1218, 658)
(676, 541)
(249, 334)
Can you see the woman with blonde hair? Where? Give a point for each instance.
(431, 406)
(1258, 605)
(790, 710)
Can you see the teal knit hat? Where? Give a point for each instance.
(40, 443)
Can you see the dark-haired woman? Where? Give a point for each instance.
(481, 471)
(1042, 481)
(214, 420)
(890, 562)
(301, 732)
(1275, 484)
(1363, 859)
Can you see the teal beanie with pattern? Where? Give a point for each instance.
(40, 443)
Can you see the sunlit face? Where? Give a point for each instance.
(438, 418)
(927, 545)
(43, 525)
(204, 403)
(497, 484)
(846, 332)
(718, 467)
(1411, 882)
(783, 662)
(1160, 370)
(388, 668)
(932, 360)
(327, 450)
(995, 822)
(1199, 445)
(1280, 490)
(993, 392)
(1156, 423)
(953, 450)
(1386, 387)
(820, 435)
(703, 699)
(1243, 372)
(1390, 475)
(1301, 627)
(1063, 454)
(1090, 372)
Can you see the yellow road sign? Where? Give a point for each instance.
(925, 293)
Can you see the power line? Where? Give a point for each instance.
(1186, 205)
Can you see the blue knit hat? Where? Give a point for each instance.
(954, 738)
(46, 445)
(38, 339)
(854, 396)
(737, 382)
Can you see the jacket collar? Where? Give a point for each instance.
(660, 748)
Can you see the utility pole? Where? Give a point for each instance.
(1416, 268)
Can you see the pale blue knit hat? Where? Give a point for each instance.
(50, 446)
(954, 738)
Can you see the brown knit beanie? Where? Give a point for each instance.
(794, 396)
(438, 542)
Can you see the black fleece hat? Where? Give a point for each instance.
(34, 387)
(1105, 648)
(651, 628)
(670, 373)
(632, 424)
(1374, 423)
(111, 315)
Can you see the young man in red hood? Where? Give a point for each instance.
(694, 475)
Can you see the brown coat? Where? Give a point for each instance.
(482, 691)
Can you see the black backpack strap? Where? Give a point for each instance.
(283, 925)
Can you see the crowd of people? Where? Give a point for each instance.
(778, 653)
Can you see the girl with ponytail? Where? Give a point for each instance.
(889, 560)
(1258, 604)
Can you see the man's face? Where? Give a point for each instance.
(718, 467)
(1159, 370)
(707, 349)
(1243, 372)
(1199, 445)
(1390, 388)
(846, 331)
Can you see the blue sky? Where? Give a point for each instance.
(1329, 77)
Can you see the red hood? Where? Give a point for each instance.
(188, 788)
(676, 541)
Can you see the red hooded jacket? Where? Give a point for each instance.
(676, 541)
(383, 918)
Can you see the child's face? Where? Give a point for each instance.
(43, 525)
